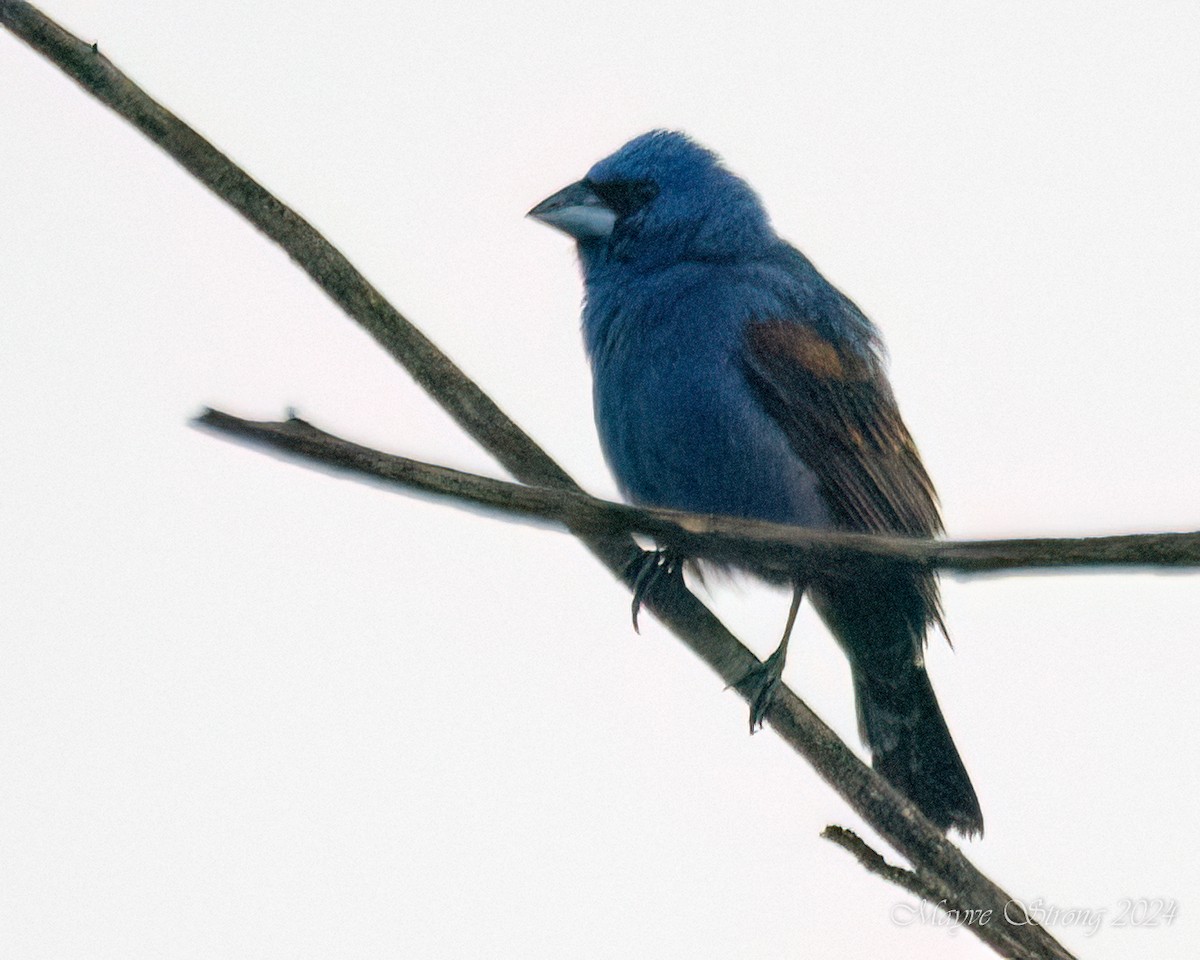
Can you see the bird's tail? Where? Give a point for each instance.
(881, 623)
(901, 722)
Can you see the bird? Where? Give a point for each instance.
(730, 377)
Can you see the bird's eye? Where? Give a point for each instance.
(625, 196)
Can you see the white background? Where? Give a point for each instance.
(249, 710)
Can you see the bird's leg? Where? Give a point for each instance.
(763, 681)
(647, 569)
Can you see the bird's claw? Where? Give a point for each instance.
(648, 568)
(760, 686)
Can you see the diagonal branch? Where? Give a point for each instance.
(752, 543)
(874, 799)
(951, 884)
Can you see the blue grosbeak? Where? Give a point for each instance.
(730, 377)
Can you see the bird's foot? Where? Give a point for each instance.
(648, 568)
(760, 686)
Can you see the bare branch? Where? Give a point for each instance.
(942, 876)
(873, 798)
(874, 862)
(753, 543)
(917, 882)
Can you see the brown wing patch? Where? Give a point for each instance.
(810, 350)
(834, 404)
(836, 407)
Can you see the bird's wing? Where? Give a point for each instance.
(836, 407)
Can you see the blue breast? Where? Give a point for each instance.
(678, 422)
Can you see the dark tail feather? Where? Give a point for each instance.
(901, 722)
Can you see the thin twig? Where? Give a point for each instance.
(924, 887)
(874, 862)
(874, 799)
(752, 543)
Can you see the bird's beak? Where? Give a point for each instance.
(577, 212)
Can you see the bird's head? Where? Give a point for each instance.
(661, 199)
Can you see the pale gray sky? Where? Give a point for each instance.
(252, 711)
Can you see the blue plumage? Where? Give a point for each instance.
(665, 357)
(730, 377)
